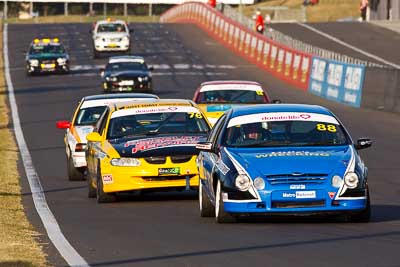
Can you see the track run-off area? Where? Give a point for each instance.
(165, 229)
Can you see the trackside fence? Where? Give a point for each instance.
(284, 62)
(336, 77)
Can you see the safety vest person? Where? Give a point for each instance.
(212, 3)
(259, 22)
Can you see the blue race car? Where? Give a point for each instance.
(282, 159)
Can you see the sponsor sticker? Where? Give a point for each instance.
(169, 171)
(288, 195)
(293, 154)
(222, 167)
(107, 179)
(331, 194)
(305, 194)
(297, 186)
(154, 143)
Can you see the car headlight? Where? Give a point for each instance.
(351, 180)
(259, 183)
(97, 38)
(337, 181)
(242, 182)
(111, 79)
(34, 62)
(125, 39)
(143, 79)
(125, 162)
(61, 61)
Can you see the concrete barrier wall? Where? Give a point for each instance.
(381, 89)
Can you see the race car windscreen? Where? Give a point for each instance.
(111, 27)
(285, 133)
(46, 49)
(126, 66)
(231, 96)
(89, 116)
(157, 123)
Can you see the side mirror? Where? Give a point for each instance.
(151, 68)
(63, 124)
(363, 143)
(93, 137)
(102, 72)
(204, 146)
(276, 101)
(131, 30)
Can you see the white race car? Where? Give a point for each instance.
(85, 117)
(111, 36)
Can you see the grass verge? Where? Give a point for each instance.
(18, 240)
(81, 19)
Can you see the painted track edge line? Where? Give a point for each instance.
(365, 53)
(49, 221)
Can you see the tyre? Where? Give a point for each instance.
(91, 189)
(95, 54)
(205, 205)
(101, 196)
(220, 215)
(363, 216)
(74, 174)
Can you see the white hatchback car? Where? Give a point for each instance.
(111, 36)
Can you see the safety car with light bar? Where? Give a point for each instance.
(47, 55)
(282, 159)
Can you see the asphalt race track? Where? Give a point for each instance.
(165, 229)
(365, 36)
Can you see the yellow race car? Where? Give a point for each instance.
(145, 145)
(216, 97)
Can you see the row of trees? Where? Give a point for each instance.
(51, 9)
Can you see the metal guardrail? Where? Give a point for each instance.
(296, 44)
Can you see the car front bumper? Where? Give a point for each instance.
(146, 176)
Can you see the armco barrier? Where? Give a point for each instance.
(287, 64)
(337, 81)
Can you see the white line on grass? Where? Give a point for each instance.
(350, 46)
(49, 221)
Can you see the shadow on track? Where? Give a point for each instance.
(249, 248)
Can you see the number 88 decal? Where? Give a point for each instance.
(326, 127)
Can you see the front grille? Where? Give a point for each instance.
(48, 61)
(156, 160)
(163, 159)
(315, 178)
(181, 158)
(166, 178)
(297, 204)
(113, 39)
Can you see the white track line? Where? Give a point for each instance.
(49, 221)
(350, 46)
